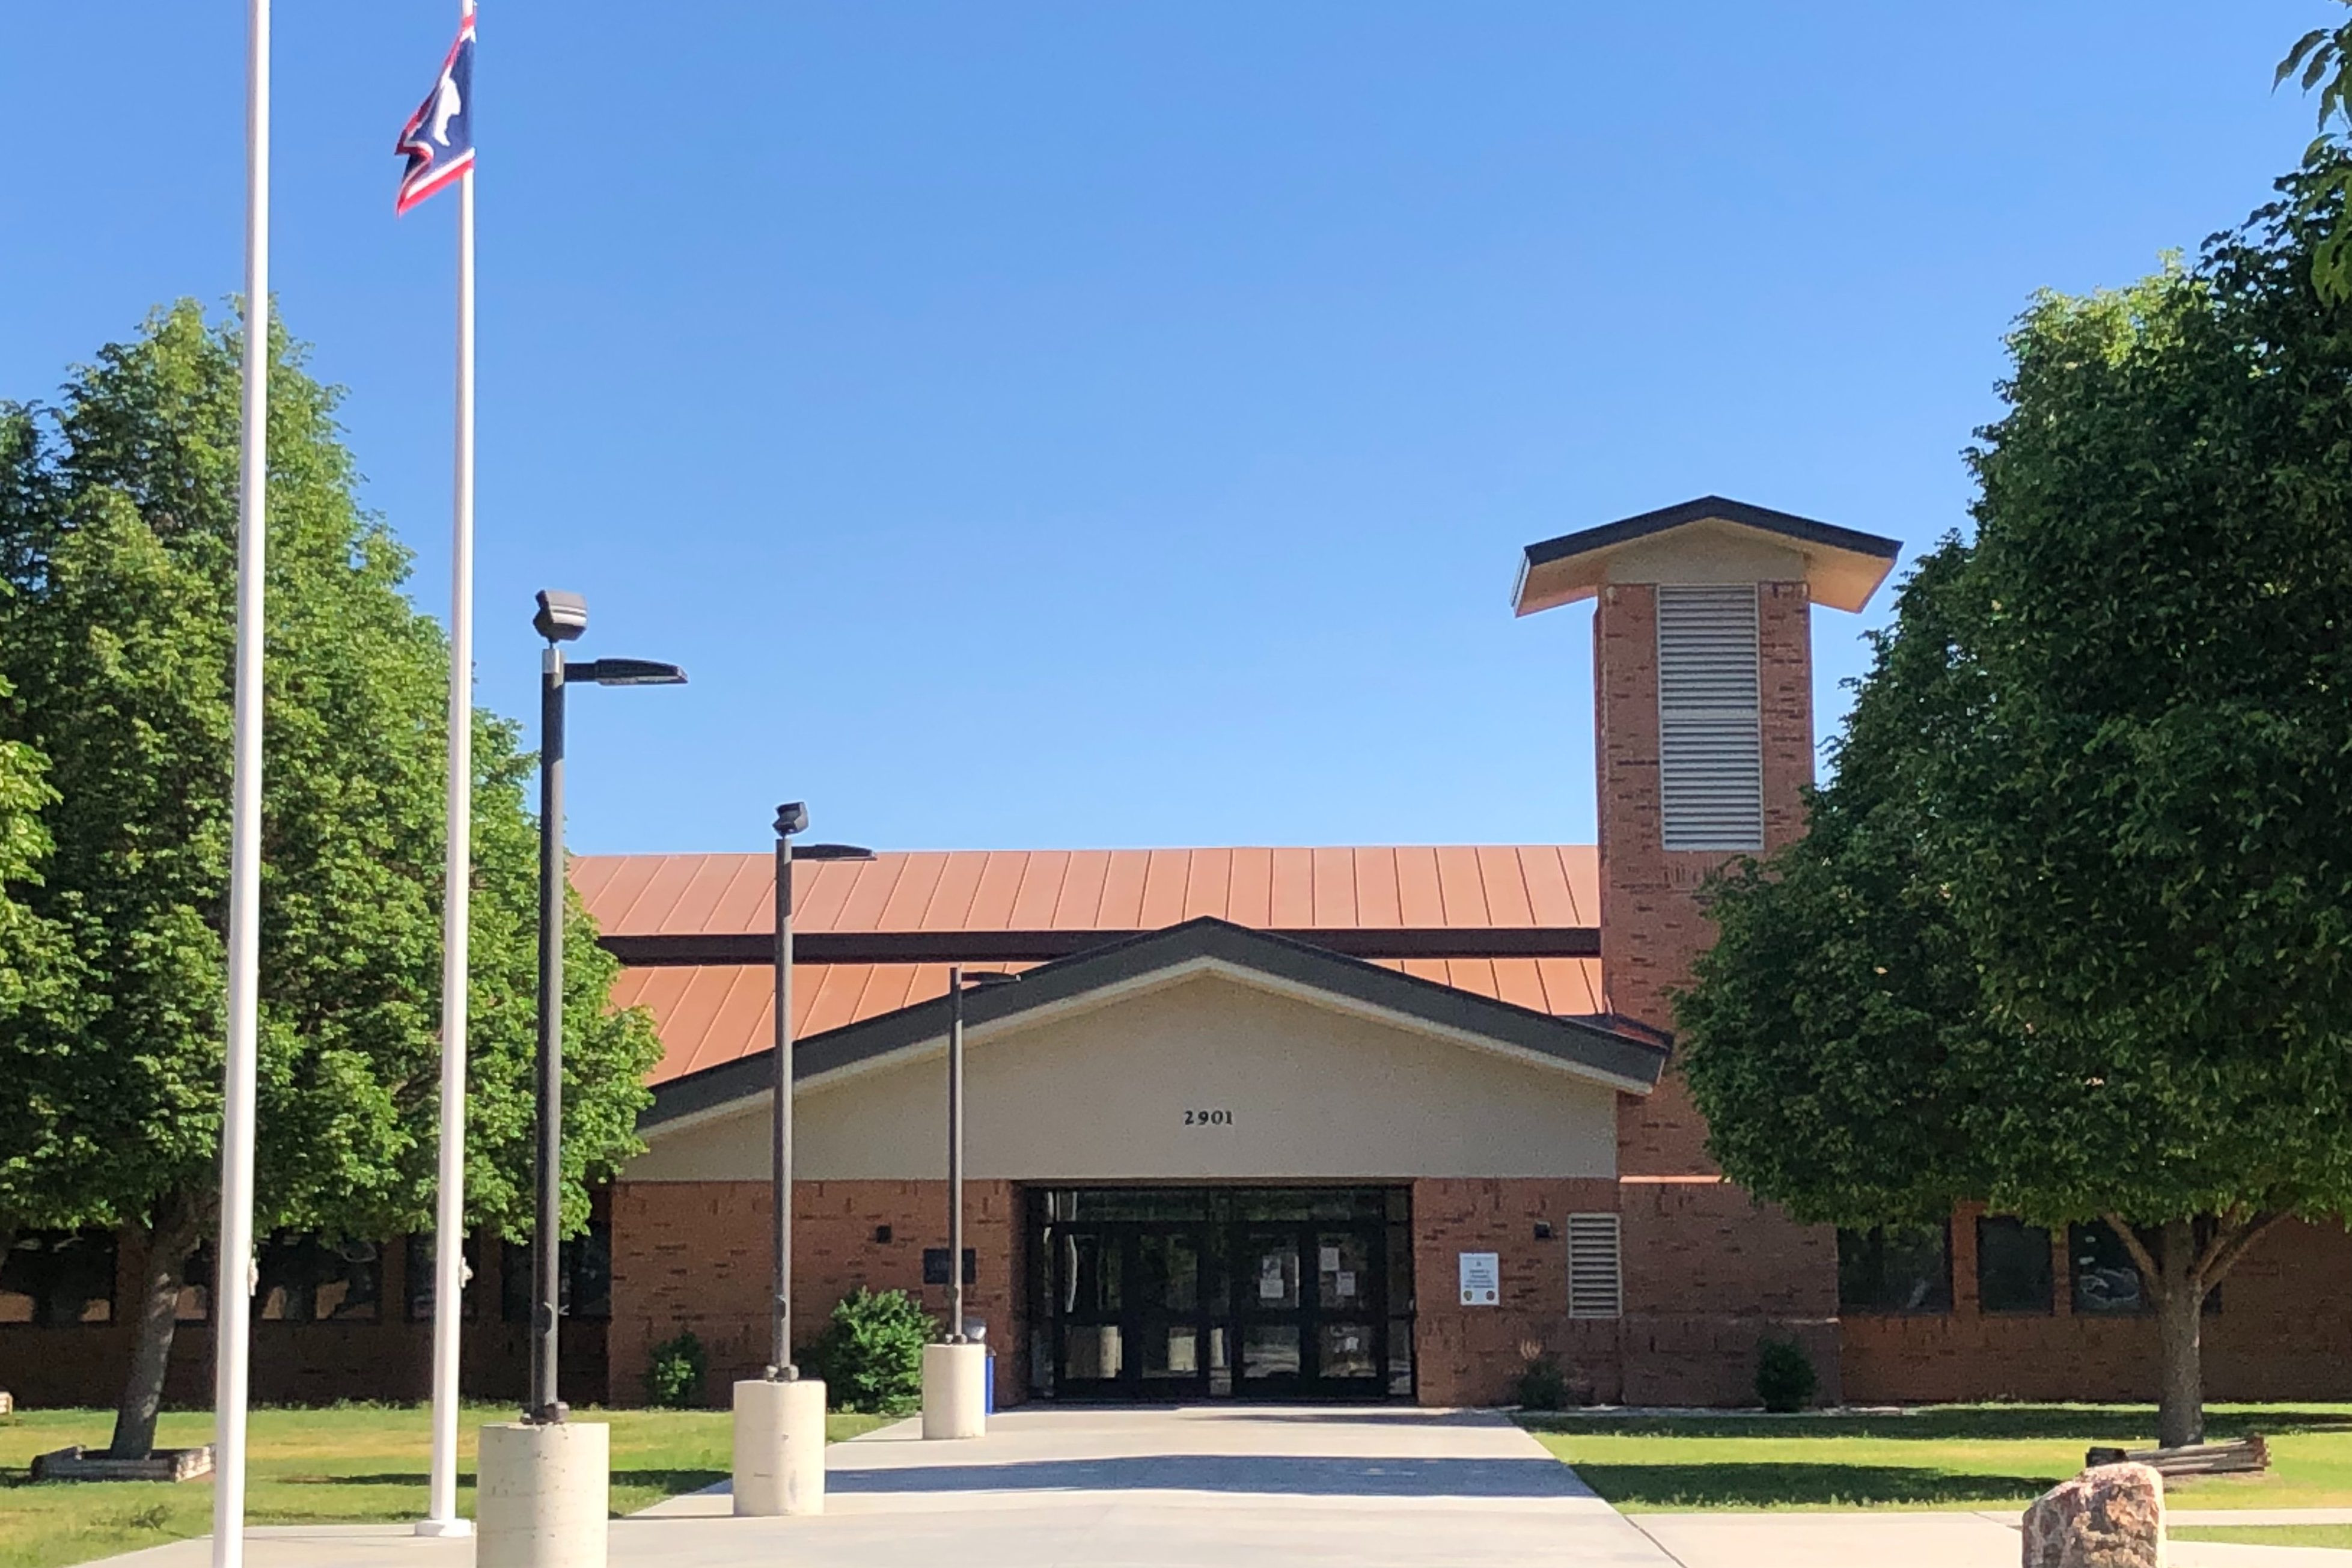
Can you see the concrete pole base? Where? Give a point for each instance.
(779, 1446)
(544, 1494)
(445, 1528)
(955, 1390)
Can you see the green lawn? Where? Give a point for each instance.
(2336, 1536)
(348, 1464)
(1949, 1455)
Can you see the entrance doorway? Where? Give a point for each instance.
(1268, 1294)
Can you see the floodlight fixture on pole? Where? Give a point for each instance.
(792, 818)
(561, 618)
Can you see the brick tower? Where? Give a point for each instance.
(1702, 675)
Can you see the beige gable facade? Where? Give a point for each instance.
(1207, 1077)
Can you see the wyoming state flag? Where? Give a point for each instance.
(438, 140)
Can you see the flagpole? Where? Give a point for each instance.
(233, 1265)
(449, 1220)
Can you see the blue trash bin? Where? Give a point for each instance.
(988, 1388)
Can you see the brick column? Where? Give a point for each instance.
(1707, 1269)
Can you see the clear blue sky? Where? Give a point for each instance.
(1057, 425)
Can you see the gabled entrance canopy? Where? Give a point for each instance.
(1591, 1050)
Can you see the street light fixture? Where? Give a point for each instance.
(790, 818)
(561, 618)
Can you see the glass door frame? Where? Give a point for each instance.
(1134, 1316)
(1309, 1314)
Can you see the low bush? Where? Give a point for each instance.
(871, 1353)
(1543, 1385)
(674, 1372)
(1785, 1379)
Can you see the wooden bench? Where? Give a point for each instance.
(2245, 1454)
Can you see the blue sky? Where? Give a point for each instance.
(1062, 424)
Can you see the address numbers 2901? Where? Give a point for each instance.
(1208, 1118)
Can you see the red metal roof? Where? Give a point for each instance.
(712, 1013)
(1469, 886)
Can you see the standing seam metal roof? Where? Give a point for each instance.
(709, 1014)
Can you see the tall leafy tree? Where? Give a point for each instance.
(118, 541)
(2074, 933)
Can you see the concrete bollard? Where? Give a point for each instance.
(545, 1492)
(955, 1390)
(779, 1446)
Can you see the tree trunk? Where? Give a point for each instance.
(2180, 1299)
(175, 1226)
(2176, 1279)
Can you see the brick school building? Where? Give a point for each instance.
(1372, 1123)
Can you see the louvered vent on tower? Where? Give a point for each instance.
(1710, 742)
(1595, 1271)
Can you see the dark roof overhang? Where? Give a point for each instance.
(1596, 1050)
(1842, 566)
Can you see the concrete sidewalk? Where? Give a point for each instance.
(1111, 1488)
(1956, 1540)
(1203, 1487)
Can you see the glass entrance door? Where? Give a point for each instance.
(1135, 1313)
(1309, 1313)
(1220, 1294)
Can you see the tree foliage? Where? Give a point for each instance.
(2322, 60)
(2072, 931)
(118, 530)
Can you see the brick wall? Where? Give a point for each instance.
(1709, 1272)
(695, 1255)
(1469, 1355)
(2281, 1334)
(389, 1359)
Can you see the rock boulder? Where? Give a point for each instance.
(2109, 1517)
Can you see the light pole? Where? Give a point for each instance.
(790, 818)
(780, 1417)
(561, 618)
(545, 1481)
(954, 1371)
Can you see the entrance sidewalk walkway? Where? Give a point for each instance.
(1205, 1486)
(1112, 1488)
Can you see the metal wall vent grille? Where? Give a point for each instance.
(1710, 741)
(1595, 1267)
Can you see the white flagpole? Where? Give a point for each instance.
(233, 1260)
(449, 1220)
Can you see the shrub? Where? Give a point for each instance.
(1785, 1380)
(1541, 1386)
(674, 1372)
(871, 1353)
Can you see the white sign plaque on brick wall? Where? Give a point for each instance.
(1482, 1279)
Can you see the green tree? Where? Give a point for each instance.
(118, 519)
(2323, 59)
(2072, 932)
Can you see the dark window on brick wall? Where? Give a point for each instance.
(1896, 1269)
(307, 1279)
(584, 1277)
(58, 1277)
(418, 1269)
(2107, 1280)
(195, 1302)
(2013, 1266)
